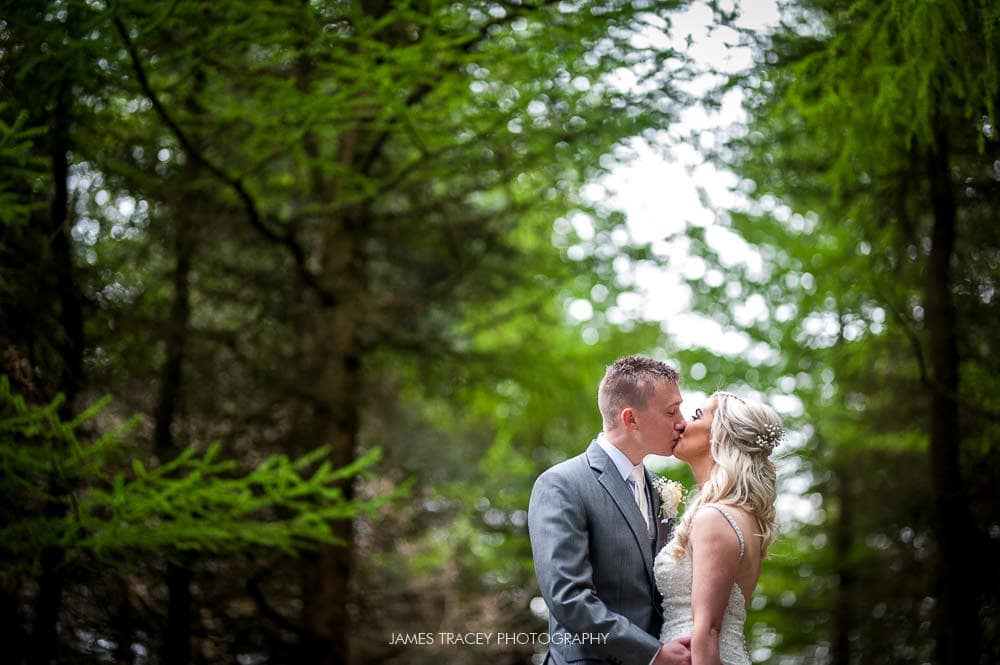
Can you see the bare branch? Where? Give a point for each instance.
(925, 379)
(236, 184)
(278, 619)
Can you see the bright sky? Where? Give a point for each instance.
(659, 190)
(659, 193)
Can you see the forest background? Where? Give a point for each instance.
(297, 299)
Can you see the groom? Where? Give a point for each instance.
(595, 531)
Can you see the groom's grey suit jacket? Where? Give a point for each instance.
(594, 562)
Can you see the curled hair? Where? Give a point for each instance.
(631, 381)
(743, 434)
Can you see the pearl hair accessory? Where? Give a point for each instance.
(770, 437)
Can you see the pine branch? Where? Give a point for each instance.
(198, 501)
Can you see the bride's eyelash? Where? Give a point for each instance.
(697, 415)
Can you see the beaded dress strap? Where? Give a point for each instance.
(732, 523)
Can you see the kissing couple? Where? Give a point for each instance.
(622, 584)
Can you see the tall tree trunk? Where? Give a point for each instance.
(843, 543)
(327, 574)
(335, 349)
(958, 635)
(44, 634)
(335, 355)
(177, 634)
(71, 311)
(11, 626)
(123, 619)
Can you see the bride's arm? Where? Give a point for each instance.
(716, 552)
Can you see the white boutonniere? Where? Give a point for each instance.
(671, 494)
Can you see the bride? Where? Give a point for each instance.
(710, 568)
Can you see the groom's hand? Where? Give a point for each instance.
(677, 652)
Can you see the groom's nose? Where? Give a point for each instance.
(681, 424)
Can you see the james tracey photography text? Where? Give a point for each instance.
(502, 639)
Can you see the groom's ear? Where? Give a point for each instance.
(627, 418)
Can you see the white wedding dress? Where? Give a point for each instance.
(673, 578)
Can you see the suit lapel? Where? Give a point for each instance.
(663, 532)
(615, 485)
(654, 506)
(663, 529)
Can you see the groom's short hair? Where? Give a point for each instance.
(631, 381)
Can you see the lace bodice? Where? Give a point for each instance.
(673, 578)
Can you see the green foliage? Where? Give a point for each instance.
(19, 167)
(889, 72)
(196, 502)
(848, 106)
(276, 193)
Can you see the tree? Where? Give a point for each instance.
(114, 513)
(869, 154)
(348, 187)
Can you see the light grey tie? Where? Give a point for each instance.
(638, 480)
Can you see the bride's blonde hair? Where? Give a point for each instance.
(743, 434)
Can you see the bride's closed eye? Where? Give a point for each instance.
(697, 415)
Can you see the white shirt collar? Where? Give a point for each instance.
(622, 463)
